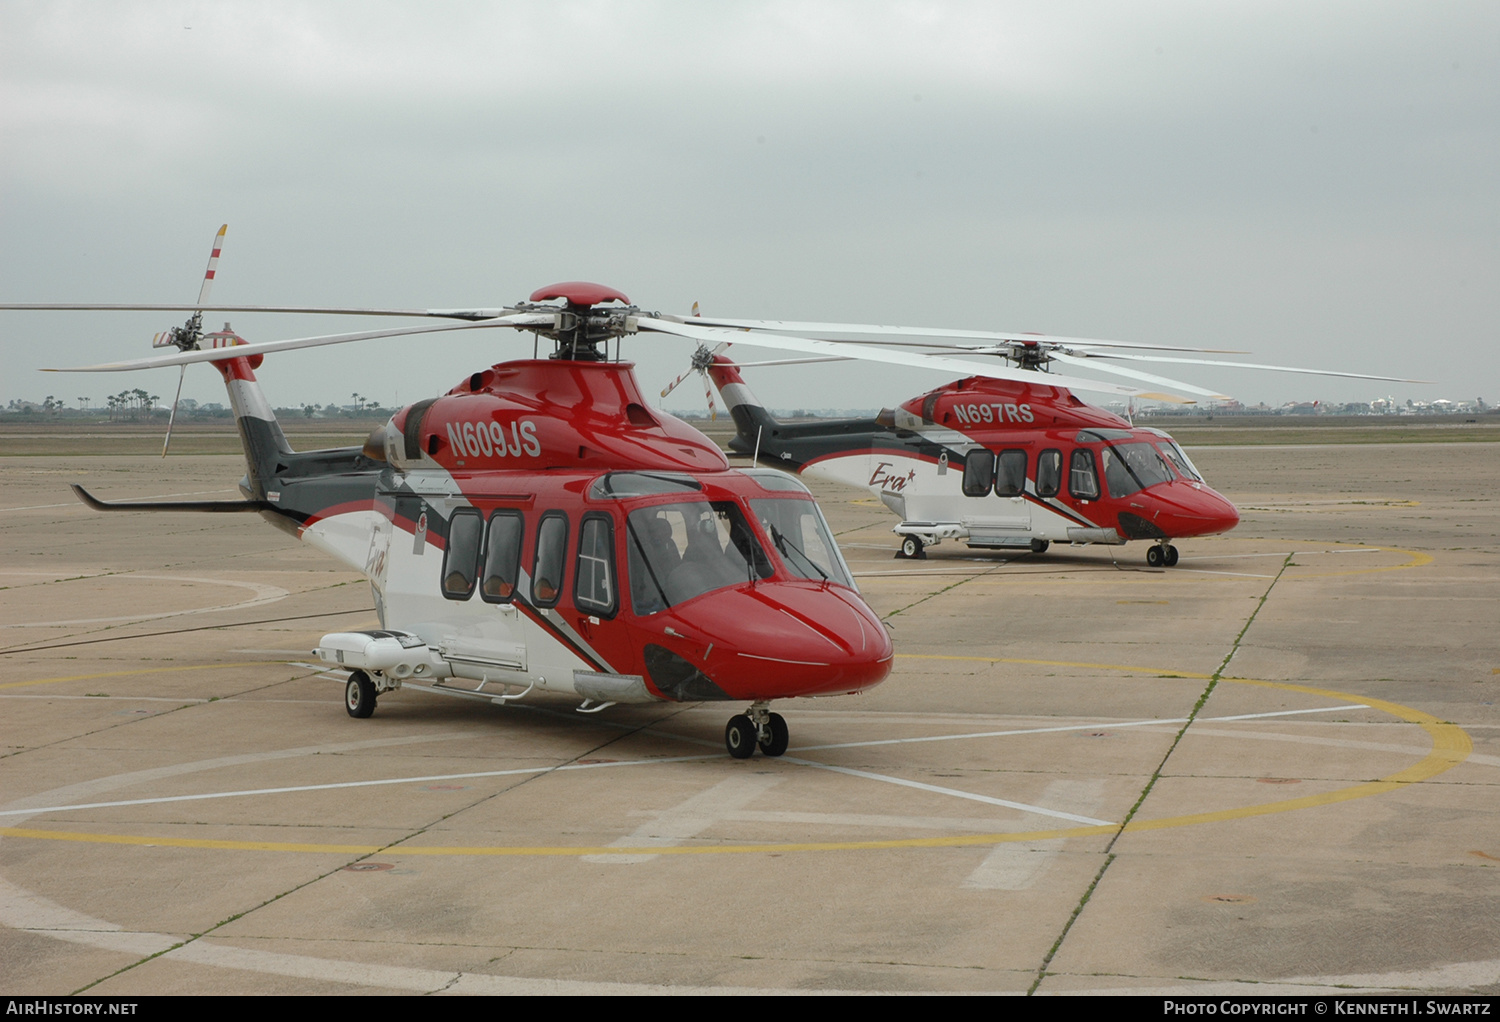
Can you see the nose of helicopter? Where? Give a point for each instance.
(1196, 510)
(773, 640)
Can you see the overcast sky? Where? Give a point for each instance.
(1317, 184)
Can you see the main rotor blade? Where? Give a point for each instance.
(310, 310)
(181, 375)
(938, 363)
(1058, 356)
(1255, 365)
(520, 320)
(794, 327)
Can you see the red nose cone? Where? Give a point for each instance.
(1196, 511)
(776, 640)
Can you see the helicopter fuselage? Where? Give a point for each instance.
(538, 526)
(998, 464)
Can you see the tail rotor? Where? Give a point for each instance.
(702, 359)
(187, 336)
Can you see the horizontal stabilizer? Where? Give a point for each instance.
(219, 506)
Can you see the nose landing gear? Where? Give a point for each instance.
(758, 726)
(1161, 555)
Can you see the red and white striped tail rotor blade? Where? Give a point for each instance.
(213, 265)
(708, 392)
(673, 385)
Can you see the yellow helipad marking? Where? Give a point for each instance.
(1418, 560)
(1450, 746)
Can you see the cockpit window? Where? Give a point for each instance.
(1083, 481)
(1132, 467)
(594, 577)
(679, 551)
(616, 485)
(770, 479)
(799, 533)
(1179, 460)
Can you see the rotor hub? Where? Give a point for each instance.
(580, 331)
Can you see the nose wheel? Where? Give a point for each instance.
(758, 728)
(1162, 555)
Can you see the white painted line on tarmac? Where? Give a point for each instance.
(351, 784)
(1207, 571)
(938, 790)
(1073, 727)
(429, 778)
(1016, 866)
(690, 818)
(1285, 713)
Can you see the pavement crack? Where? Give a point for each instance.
(1109, 853)
(945, 589)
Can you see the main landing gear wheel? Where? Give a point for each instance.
(911, 548)
(774, 738)
(1039, 546)
(359, 695)
(739, 736)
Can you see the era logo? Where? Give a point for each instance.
(888, 482)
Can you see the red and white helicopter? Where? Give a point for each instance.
(539, 528)
(1006, 459)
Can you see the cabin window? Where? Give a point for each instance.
(1083, 481)
(979, 472)
(502, 557)
(1010, 474)
(594, 577)
(551, 552)
(461, 558)
(1049, 473)
(679, 551)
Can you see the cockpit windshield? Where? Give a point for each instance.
(679, 551)
(1179, 460)
(800, 535)
(1132, 467)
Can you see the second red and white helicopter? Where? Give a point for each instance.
(1007, 458)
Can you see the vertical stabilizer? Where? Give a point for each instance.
(266, 449)
(753, 426)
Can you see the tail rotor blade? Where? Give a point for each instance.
(673, 385)
(213, 265)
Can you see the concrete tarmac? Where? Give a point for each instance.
(1271, 769)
